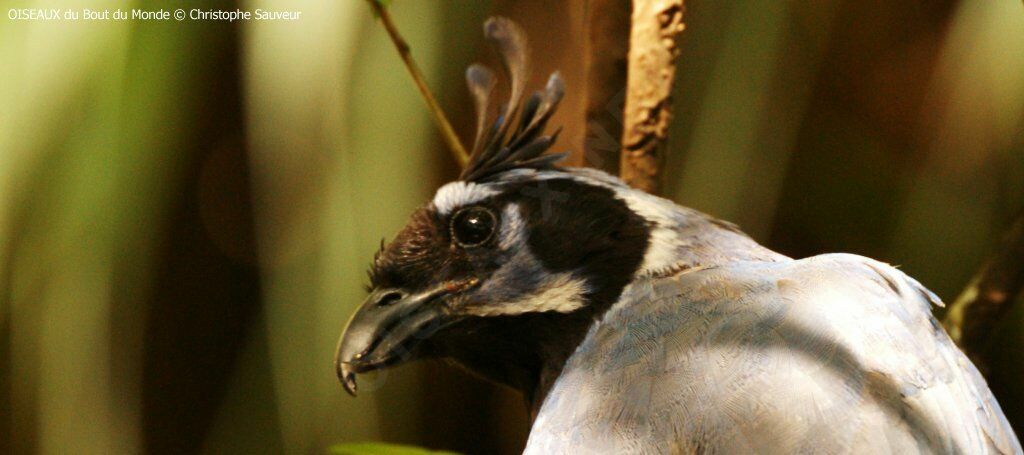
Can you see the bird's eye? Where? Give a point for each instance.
(473, 226)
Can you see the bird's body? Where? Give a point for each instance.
(721, 345)
(634, 325)
(830, 354)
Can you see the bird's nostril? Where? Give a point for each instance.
(389, 298)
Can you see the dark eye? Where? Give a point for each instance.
(473, 226)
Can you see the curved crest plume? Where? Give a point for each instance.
(498, 148)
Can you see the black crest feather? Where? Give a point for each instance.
(509, 144)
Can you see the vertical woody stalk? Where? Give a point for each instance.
(654, 46)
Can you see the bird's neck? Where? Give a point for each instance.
(683, 238)
(525, 352)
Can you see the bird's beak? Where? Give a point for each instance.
(385, 330)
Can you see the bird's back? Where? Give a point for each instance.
(831, 354)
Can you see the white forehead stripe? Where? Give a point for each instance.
(460, 194)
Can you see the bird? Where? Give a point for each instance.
(631, 324)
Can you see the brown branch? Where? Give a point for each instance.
(607, 48)
(989, 296)
(652, 54)
(447, 132)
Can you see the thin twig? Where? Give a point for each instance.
(653, 47)
(989, 296)
(450, 138)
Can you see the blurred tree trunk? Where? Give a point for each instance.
(105, 123)
(606, 57)
(989, 297)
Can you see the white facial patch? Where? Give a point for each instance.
(562, 293)
(667, 221)
(460, 194)
(513, 228)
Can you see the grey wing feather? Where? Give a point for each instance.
(832, 354)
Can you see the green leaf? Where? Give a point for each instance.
(374, 448)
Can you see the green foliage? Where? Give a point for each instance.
(374, 448)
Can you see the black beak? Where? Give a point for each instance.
(385, 330)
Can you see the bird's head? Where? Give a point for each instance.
(486, 266)
(513, 255)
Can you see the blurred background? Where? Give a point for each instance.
(187, 208)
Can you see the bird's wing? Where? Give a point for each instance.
(831, 354)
